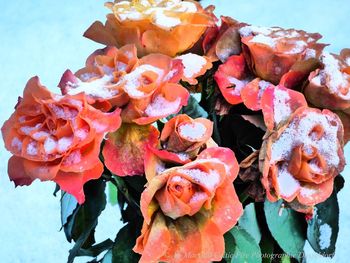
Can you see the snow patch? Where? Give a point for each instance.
(193, 64)
(209, 180)
(192, 131)
(281, 108)
(325, 236)
(160, 106)
(286, 182)
(299, 132)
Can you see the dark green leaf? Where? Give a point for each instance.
(249, 222)
(97, 249)
(84, 220)
(322, 231)
(267, 247)
(246, 248)
(286, 227)
(339, 182)
(57, 188)
(123, 245)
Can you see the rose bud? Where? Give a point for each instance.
(56, 138)
(182, 138)
(188, 208)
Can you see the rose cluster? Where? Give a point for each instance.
(126, 102)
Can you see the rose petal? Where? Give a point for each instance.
(124, 150)
(73, 183)
(230, 78)
(278, 103)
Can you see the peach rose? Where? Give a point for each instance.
(329, 86)
(271, 52)
(300, 159)
(182, 138)
(56, 138)
(147, 89)
(167, 27)
(187, 209)
(100, 78)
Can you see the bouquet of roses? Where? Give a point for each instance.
(224, 140)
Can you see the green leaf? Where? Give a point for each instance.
(322, 231)
(123, 245)
(82, 224)
(230, 246)
(249, 222)
(68, 206)
(286, 227)
(246, 248)
(285, 259)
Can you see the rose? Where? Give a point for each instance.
(271, 52)
(300, 159)
(187, 209)
(182, 138)
(169, 27)
(56, 138)
(329, 86)
(146, 88)
(100, 78)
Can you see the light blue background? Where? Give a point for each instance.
(44, 38)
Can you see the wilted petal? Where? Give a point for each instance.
(124, 150)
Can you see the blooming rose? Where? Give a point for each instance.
(167, 27)
(300, 159)
(329, 87)
(182, 138)
(271, 52)
(147, 89)
(187, 209)
(100, 78)
(56, 138)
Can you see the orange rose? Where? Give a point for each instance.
(167, 27)
(271, 52)
(300, 159)
(146, 88)
(100, 78)
(329, 87)
(56, 138)
(187, 210)
(182, 138)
